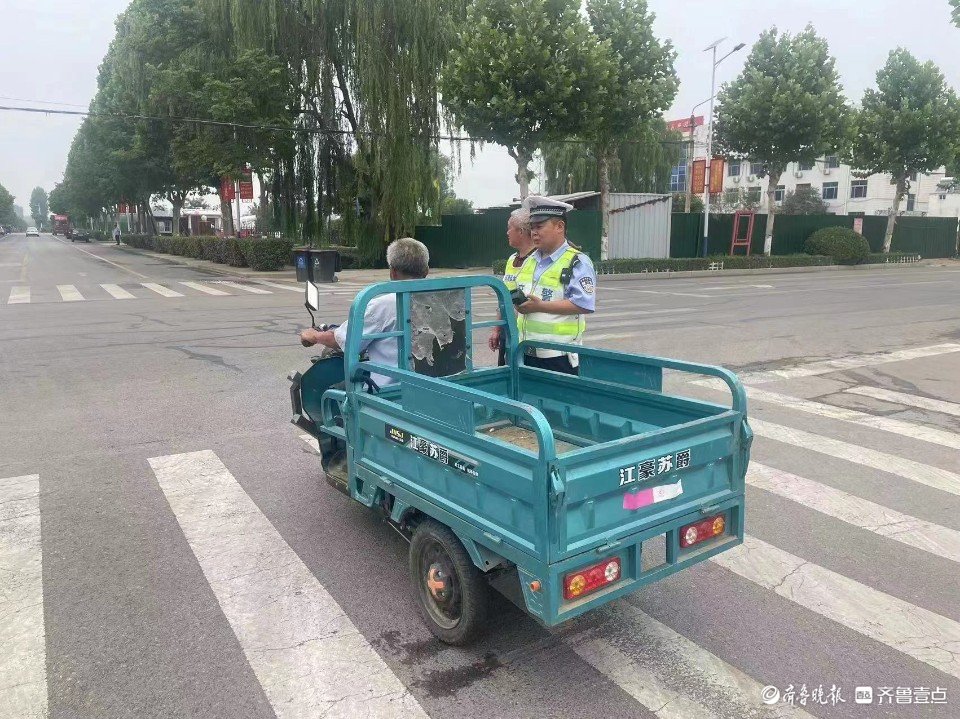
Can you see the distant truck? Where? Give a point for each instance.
(61, 225)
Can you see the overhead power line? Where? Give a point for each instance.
(251, 126)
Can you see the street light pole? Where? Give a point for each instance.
(709, 163)
(705, 248)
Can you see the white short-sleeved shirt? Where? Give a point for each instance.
(381, 316)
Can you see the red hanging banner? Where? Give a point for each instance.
(716, 175)
(698, 174)
(226, 189)
(246, 189)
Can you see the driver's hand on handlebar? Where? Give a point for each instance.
(308, 337)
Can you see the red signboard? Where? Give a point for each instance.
(716, 175)
(684, 124)
(698, 174)
(246, 189)
(226, 189)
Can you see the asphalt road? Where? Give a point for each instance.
(139, 398)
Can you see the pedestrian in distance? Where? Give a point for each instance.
(116, 234)
(560, 285)
(518, 237)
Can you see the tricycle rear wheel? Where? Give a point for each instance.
(451, 592)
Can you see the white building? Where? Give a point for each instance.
(843, 192)
(945, 200)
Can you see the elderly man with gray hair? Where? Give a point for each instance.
(518, 237)
(408, 259)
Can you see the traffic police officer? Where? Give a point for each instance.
(560, 283)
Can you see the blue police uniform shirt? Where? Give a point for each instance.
(582, 290)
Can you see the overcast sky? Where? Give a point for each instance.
(53, 48)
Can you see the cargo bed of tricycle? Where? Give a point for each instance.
(555, 485)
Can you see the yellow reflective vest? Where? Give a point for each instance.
(543, 325)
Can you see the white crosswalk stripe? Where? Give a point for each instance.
(862, 513)
(117, 292)
(307, 654)
(23, 667)
(664, 686)
(908, 400)
(244, 288)
(917, 632)
(161, 290)
(935, 477)
(69, 293)
(19, 295)
(203, 288)
(887, 424)
(813, 369)
(280, 286)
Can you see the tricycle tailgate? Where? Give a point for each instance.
(619, 488)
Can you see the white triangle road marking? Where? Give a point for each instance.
(23, 665)
(309, 657)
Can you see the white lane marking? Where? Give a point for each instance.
(23, 665)
(103, 259)
(280, 286)
(925, 474)
(941, 541)
(886, 424)
(309, 657)
(161, 290)
(710, 288)
(598, 338)
(244, 288)
(206, 290)
(813, 369)
(69, 293)
(639, 314)
(674, 294)
(909, 400)
(639, 322)
(117, 292)
(19, 295)
(661, 669)
(917, 632)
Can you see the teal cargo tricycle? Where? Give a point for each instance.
(544, 486)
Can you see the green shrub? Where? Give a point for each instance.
(841, 243)
(266, 254)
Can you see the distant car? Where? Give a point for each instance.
(79, 235)
(33, 231)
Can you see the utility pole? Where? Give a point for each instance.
(705, 248)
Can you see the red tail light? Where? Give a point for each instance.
(702, 531)
(590, 579)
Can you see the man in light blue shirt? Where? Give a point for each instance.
(408, 259)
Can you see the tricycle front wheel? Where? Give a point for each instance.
(451, 592)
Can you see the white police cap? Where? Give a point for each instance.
(543, 208)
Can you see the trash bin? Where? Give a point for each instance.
(326, 263)
(316, 265)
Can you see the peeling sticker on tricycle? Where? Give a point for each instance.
(653, 467)
(432, 450)
(432, 315)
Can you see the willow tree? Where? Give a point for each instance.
(642, 163)
(367, 113)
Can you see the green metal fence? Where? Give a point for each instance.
(480, 240)
(926, 236)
